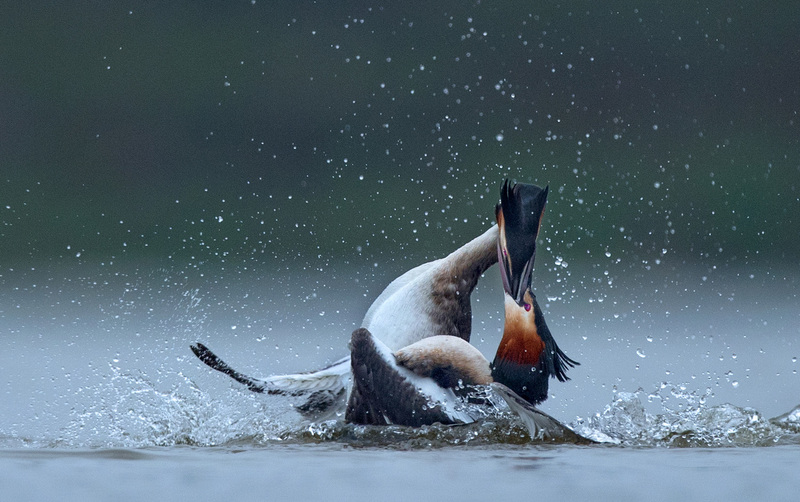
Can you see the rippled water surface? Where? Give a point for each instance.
(690, 385)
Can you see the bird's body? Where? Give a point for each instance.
(432, 299)
(412, 352)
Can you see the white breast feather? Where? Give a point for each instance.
(399, 316)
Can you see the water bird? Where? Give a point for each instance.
(528, 355)
(419, 384)
(433, 301)
(428, 300)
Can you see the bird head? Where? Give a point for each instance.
(519, 216)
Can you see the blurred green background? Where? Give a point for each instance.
(301, 134)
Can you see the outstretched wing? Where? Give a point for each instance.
(325, 389)
(214, 362)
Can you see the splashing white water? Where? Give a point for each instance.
(684, 419)
(130, 411)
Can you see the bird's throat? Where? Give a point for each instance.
(521, 343)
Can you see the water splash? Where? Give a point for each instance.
(789, 422)
(129, 410)
(684, 419)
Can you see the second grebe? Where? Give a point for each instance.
(527, 356)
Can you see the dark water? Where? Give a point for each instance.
(102, 397)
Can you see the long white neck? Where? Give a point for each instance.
(473, 258)
(433, 298)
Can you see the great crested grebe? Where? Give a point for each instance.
(433, 300)
(417, 384)
(428, 300)
(527, 356)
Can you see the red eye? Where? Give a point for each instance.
(527, 307)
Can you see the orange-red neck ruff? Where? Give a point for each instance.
(521, 343)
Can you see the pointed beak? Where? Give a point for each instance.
(519, 216)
